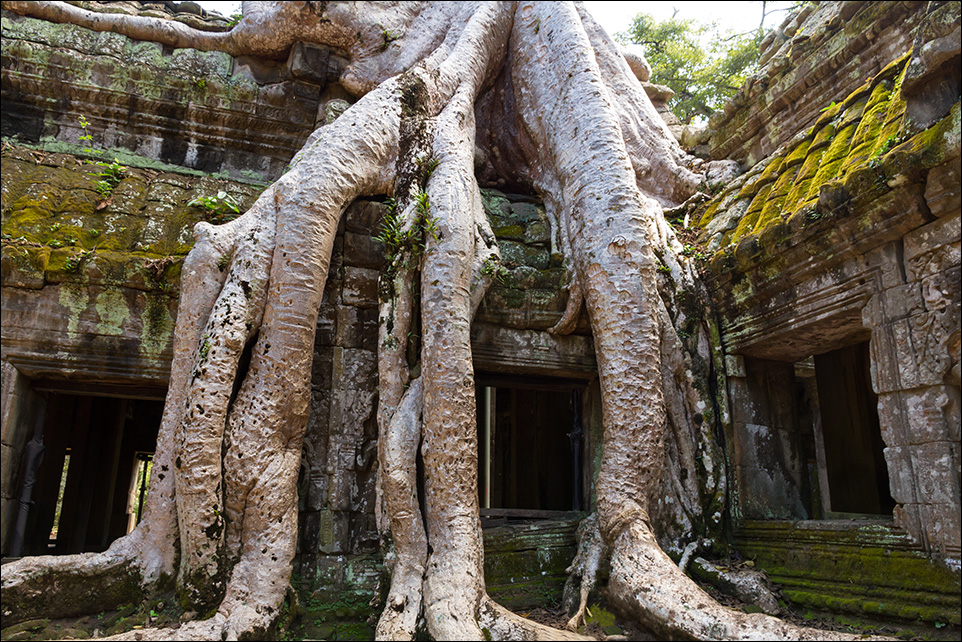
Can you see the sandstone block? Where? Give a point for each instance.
(364, 217)
(921, 359)
(884, 360)
(901, 301)
(935, 473)
(357, 327)
(361, 250)
(360, 287)
(942, 191)
(891, 414)
(735, 365)
(933, 247)
(354, 368)
(926, 413)
(941, 523)
(901, 477)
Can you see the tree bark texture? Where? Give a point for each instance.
(545, 98)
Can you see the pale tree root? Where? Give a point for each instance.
(584, 570)
(501, 624)
(143, 563)
(646, 586)
(399, 445)
(749, 586)
(82, 583)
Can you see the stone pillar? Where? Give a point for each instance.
(769, 466)
(915, 362)
(340, 446)
(20, 410)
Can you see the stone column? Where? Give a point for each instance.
(20, 410)
(769, 470)
(914, 348)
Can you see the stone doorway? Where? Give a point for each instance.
(807, 438)
(853, 477)
(89, 484)
(530, 446)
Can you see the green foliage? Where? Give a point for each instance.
(234, 19)
(205, 347)
(702, 78)
(223, 261)
(73, 263)
(87, 139)
(110, 177)
(219, 208)
(429, 165)
(389, 37)
(887, 145)
(492, 267)
(111, 174)
(692, 251)
(413, 239)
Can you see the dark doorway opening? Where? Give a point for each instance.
(530, 446)
(852, 447)
(86, 492)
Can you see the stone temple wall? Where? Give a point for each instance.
(835, 263)
(822, 53)
(843, 230)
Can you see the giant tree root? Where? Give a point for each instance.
(544, 95)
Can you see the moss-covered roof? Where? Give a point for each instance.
(856, 151)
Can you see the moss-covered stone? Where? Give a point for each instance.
(872, 569)
(58, 228)
(852, 156)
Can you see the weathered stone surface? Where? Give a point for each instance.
(847, 232)
(500, 349)
(364, 217)
(360, 287)
(931, 83)
(356, 327)
(941, 188)
(874, 560)
(524, 564)
(821, 63)
(360, 250)
(199, 114)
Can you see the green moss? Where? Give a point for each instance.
(832, 160)
(869, 127)
(710, 212)
(57, 229)
(495, 203)
(774, 205)
(799, 153)
(751, 217)
(862, 571)
(514, 232)
(926, 149)
(797, 196)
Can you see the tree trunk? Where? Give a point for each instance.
(549, 100)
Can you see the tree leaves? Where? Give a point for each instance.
(703, 78)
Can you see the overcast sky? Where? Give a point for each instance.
(616, 16)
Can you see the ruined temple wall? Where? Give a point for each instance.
(239, 118)
(820, 54)
(847, 231)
